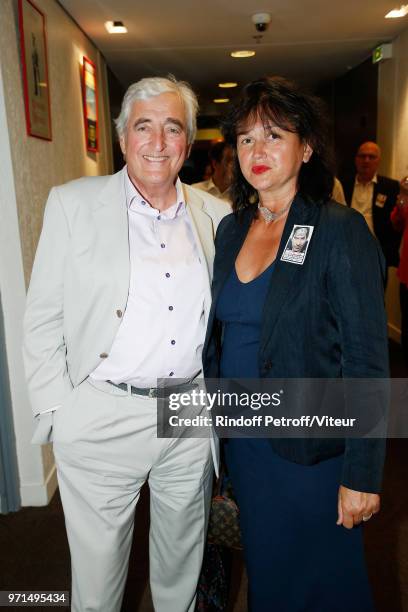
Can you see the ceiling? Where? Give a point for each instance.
(307, 40)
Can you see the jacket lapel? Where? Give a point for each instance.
(376, 190)
(204, 234)
(285, 274)
(112, 230)
(203, 229)
(225, 258)
(229, 250)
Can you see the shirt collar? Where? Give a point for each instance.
(220, 194)
(373, 180)
(136, 202)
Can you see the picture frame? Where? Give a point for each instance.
(90, 104)
(34, 57)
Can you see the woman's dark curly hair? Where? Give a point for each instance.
(282, 102)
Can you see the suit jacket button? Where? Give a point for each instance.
(103, 355)
(119, 313)
(267, 365)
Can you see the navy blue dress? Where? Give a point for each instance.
(297, 558)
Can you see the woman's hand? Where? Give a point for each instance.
(356, 506)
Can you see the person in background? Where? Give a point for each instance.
(208, 171)
(301, 501)
(218, 184)
(399, 219)
(119, 297)
(374, 196)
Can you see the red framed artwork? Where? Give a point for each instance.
(90, 101)
(35, 70)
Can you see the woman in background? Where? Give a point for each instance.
(315, 312)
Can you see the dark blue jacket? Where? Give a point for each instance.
(323, 319)
(387, 236)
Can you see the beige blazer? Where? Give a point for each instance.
(80, 280)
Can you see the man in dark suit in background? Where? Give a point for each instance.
(374, 196)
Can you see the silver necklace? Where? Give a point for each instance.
(270, 216)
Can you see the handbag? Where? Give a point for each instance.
(223, 527)
(214, 583)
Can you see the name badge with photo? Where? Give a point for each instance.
(380, 200)
(297, 245)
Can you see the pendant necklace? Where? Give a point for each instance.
(270, 216)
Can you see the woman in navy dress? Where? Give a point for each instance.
(297, 293)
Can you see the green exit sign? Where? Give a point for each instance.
(382, 52)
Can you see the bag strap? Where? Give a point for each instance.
(220, 485)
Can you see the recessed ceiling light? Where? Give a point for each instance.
(227, 85)
(242, 53)
(396, 13)
(115, 27)
(221, 100)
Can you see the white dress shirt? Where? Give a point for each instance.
(363, 200)
(162, 331)
(210, 187)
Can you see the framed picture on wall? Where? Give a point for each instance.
(35, 70)
(90, 98)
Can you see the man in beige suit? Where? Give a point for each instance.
(119, 297)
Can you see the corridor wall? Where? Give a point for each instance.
(29, 168)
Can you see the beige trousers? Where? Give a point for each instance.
(105, 448)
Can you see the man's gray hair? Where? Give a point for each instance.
(154, 86)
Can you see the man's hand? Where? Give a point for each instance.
(355, 506)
